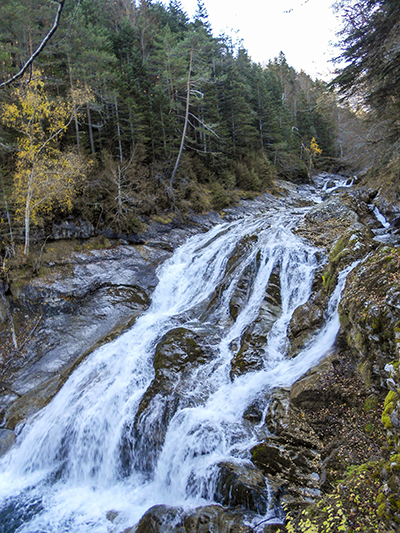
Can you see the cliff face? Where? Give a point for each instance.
(352, 400)
(330, 443)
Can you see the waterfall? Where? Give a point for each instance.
(380, 217)
(71, 464)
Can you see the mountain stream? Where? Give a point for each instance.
(98, 446)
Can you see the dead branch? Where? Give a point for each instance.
(40, 48)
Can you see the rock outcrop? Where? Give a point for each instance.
(82, 296)
(344, 413)
(178, 353)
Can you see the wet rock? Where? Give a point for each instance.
(112, 515)
(29, 404)
(306, 318)
(369, 312)
(293, 472)
(396, 222)
(307, 393)
(242, 291)
(290, 457)
(251, 354)
(7, 439)
(241, 484)
(330, 184)
(360, 201)
(216, 519)
(207, 519)
(354, 244)
(388, 206)
(78, 303)
(178, 353)
(3, 312)
(246, 360)
(285, 420)
(161, 519)
(254, 412)
(327, 221)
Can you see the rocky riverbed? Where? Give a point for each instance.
(342, 415)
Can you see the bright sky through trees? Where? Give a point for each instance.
(302, 29)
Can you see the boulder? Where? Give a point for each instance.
(241, 484)
(7, 439)
(207, 519)
(67, 229)
(178, 353)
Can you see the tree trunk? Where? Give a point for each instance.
(121, 155)
(90, 129)
(27, 226)
(28, 202)
(9, 226)
(186, 121)
(75, 115)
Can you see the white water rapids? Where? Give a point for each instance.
(65, 472)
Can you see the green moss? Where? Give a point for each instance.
(391, 396)
(329, 279)
(344, 320)
(386, 421)
(381, 512)
(371, 403)
(43, 272)
(365, 372)
(341, 244)
(165, 219)
(380, 499)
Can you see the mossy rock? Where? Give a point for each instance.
(177, 353)
(355, 243)
(178, 350)
(369, 311)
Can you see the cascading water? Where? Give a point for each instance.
(79, 458)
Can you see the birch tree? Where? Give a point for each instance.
(44, 175)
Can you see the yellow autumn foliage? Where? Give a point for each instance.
(314, 148)
(44, 174)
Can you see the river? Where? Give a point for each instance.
(98, 448)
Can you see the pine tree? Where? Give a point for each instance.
(371, 52)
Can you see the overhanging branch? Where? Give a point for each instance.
(40, 48)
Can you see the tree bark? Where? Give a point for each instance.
(90, 129)
(186, 121)
(40, 48)
(75, 115)
(121, 155)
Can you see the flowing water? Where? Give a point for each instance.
(78, 458)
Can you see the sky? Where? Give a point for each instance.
(304, 30)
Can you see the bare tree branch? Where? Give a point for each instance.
(40, 48)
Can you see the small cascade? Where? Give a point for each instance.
(386, 234)
(86, 452)
(379, 217)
